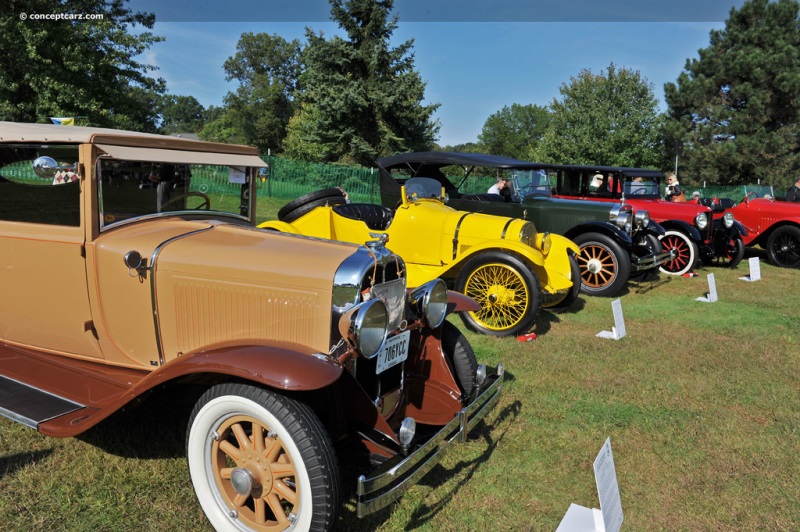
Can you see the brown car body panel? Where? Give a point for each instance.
(104, 389)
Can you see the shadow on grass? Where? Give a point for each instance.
(548, 317)
(464, 470)
(10, 464)
(151, 430)
(643, 287)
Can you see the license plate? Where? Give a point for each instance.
(395, 351)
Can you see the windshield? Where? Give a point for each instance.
(423, 187)
(527, 183)
(130, 189)
(641, 186)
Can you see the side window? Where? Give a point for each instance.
(48, 194)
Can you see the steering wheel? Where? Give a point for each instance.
(748, 195)
(640, 192)
(205, 204)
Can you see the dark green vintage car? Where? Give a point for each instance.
(616, 242)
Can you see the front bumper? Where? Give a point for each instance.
(389, 481)
(653, 260)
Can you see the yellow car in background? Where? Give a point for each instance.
(503, 263)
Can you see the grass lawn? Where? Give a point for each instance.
(701, 402)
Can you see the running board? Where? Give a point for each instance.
(31, 406)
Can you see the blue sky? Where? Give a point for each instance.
(472, 67)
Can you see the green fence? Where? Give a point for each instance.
(285, 178)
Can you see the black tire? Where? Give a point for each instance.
(653, 245)
(308, 202)
(727, 254)
(560, 302)
(783, 247)
(460, 357)
(688, 253)
(300, 460)
(507, 290)
(605, 266)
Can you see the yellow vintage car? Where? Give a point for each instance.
(503, 263)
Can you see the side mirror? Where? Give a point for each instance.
(45, 167)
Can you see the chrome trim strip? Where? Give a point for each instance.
(386, 485)
(152, 269)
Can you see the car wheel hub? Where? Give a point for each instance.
(594, 265)
(242, 481)
(500, 295)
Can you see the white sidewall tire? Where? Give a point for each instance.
(198, 455)
(691, 261)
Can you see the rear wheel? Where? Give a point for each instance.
(507, 291)
(261, 461)
(460, 357)
(783, 247)
(686, 251)
(308, 202)
(605, 266)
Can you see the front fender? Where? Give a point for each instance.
(556, 273)
(458, 302)
(685, 228)
(655, 228)
(606, 228)
(737, 230)
(281, 366)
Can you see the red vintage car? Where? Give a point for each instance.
(774, 225)
(693, 230)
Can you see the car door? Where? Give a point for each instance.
(42, 255)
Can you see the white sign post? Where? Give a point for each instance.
(618, 330)
(711, 297)
(609, 517)
(755, 270)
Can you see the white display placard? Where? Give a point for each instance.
(236, 175)
(755, 270)
(605, 475)
(609, 517)
(711, 297)
(618, 330)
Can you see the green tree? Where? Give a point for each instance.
(77, 67)
(514, 131)
(361, 98)
(737, 107)
(609, 118)
(266, 67)
(220, 127)
(182, 114)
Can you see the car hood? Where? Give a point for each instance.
(212, 282)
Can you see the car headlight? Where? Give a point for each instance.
(728, 219)
(701, 221)
(365, 326)
(430, 302)
(544, 242)
(642, 218)
(623, 221)
(527, 235)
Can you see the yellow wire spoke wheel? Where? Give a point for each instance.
(507, 291)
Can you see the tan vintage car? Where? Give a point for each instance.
(118, 274)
